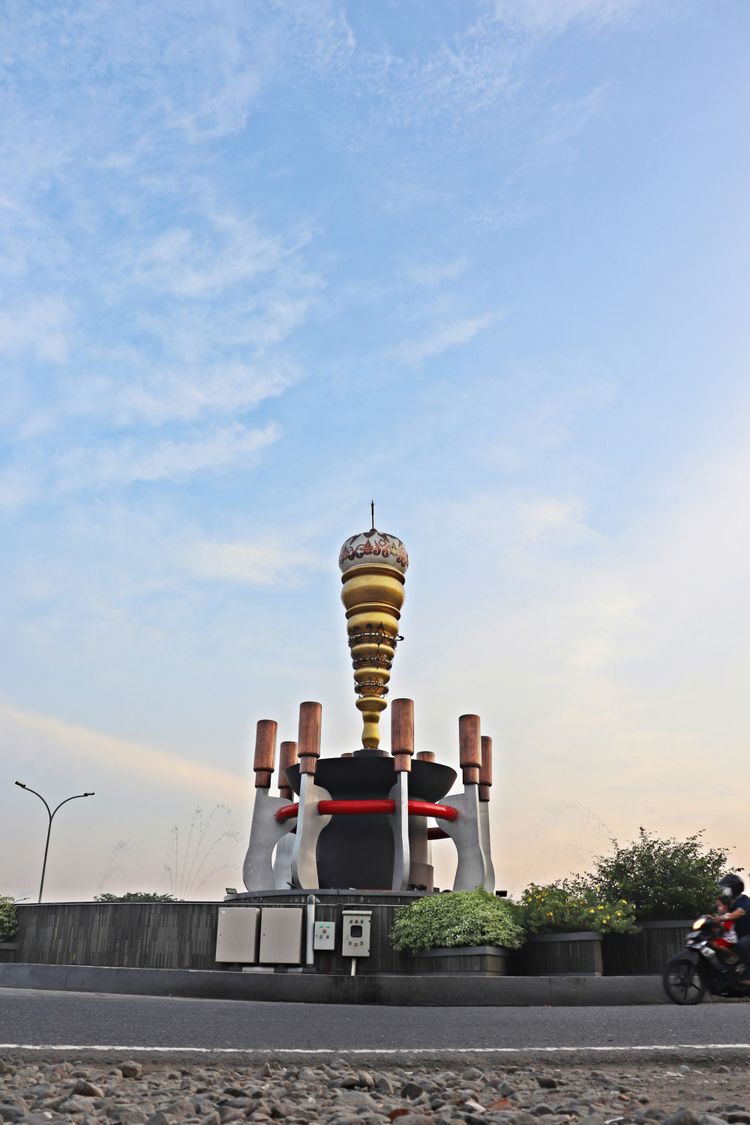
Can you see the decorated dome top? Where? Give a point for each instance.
(369, 548)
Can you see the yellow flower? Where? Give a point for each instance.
(618, 914)
(591, 910)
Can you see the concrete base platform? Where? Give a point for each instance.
(433, 990)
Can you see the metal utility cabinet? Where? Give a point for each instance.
(237, 934)
(355, 938)
(281, 935)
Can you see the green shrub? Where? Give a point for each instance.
(136, 896)
(574, 904)
(662, 878)
(8, 919)
(456, 918)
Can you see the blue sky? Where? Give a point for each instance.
(484, 262)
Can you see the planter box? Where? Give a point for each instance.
(646, 951)
(562, 954)
(492, 959)
(8, 951)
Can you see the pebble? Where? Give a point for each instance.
(682, 1117)
(11, 1113)
(336, 1093)
(131, 1069)
(87, 1089)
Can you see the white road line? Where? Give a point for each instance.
(367, 1050)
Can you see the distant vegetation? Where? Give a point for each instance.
(137, 896)
(663, 878)
(8, 919)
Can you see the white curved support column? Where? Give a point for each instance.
(282, 863)
(472, 867)
(309, 826)
(265, 834)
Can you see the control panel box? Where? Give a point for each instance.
(237, 934)
(324, 935)
(281, 935)
(355, 937)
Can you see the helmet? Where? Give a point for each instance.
(729, 887)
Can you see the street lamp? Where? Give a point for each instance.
(50, 814)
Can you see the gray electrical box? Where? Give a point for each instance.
(324, 936)
(355, 938)
(237, 934)
(281, 935)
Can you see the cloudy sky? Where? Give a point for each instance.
(486, 262)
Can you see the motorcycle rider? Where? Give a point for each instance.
(731, 892)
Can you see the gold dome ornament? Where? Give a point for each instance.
(373, 565)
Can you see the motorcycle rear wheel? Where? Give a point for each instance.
(682, 982)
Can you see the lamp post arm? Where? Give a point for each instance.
(73, 798)
(28, 789)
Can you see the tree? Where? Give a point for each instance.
(136, 896)
(663, 878)
(8, 919)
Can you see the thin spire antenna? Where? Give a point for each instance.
(372, 513)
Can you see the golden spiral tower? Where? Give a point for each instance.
(373, 565)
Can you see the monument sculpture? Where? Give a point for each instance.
(361, 820)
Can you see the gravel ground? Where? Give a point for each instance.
(335, 1092)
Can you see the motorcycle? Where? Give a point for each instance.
(707, 964)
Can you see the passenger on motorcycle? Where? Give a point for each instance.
(731, 892)
(726, 944)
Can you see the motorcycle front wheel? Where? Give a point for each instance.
(682, 982)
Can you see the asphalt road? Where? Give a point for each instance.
(29, 1017)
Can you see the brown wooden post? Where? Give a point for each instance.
(425, 756)
(308, 740)
(485, 773)
(264, 762)
(402, 734)
(287, 758)
(470, 748)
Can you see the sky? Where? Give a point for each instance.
(485, 263)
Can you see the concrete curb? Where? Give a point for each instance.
(435, 990)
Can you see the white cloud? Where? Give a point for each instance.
(40, 327)
(60, 738)
(249, 564)
(180, 397)
(129, 461)
(570, 117)
(17, 488)
(551, 517)
(552, 17)
(195, 264)
(414, 352)
(432, 274)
